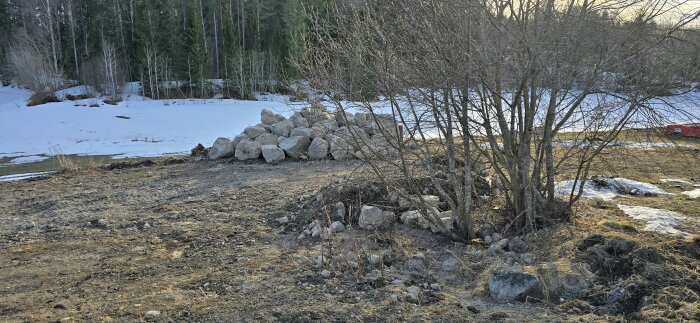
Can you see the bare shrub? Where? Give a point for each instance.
(488, 86)
(30, 63)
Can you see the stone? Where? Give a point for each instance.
(254, 132)
(435, 286)
(372, 217)
(222, 148)
(413, 294)
(338, 212)
(269, 118)
(338, 226)
(301, 132)
(411, 217)
(516, 245)
(282, 128)
(153, 313)
(375, 260)
(450, 265)
(345, 118)
(353, 134)
(316, 114)
(431, 200)
(447, 221)
(318, 149)
(237, 139)
(498, 246)
(299, 120)
(326, 274)
(340, 148)
(272, 154)
(508, 285)
(295, 147)
(488, 239)
(267, 139)
(324, 128)
(248, 149)
(496, 236)
(283, 220)
(527, 258)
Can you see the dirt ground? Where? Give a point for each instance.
(200, 242)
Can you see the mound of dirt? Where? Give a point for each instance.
(643, 282)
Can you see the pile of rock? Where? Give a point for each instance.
(313, 133)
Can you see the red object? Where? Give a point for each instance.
(685, 130)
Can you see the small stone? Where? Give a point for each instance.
(450, 265)
(413, 289)
(496, 236)
(375, 260)
(325, 274)
(527, 258)
(395, 297)
(516, 245)
(339, 212)
(283, 220)
(435, 287)
(372, 217)
(498, 246)
(153, 313)
(488, 239)
(301, 237)
(338, 226)
(507, 285)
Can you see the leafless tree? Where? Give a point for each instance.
(494, 83)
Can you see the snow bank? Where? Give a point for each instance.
(657, 220)
(604, 188)
(136, 127)
(628, 186)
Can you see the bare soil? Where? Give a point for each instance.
(200, 242)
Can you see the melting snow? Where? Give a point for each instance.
(693, 194)
(28, 159)
(19, 177)
(608, 188)
(590, 190)
(657, 220)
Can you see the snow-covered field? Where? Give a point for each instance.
(136, 127)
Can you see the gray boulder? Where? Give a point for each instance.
(269, 118)
(299, 120)
(340, 148)
(267, 139)
(248, 149)
(272, 154)
(301, 132)
(318, 149)
(339, 212)
(222, 148)
(345, 118)
(516, 245)
(237, 139)
(316, 114)
(508, 285)
(295, 147)
(254, 132)
(372, 217)
(282, 128)
(323, 128)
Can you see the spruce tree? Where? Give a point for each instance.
(197, 64)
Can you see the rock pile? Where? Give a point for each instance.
(312, 133)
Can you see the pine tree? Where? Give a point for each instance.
(196, 52)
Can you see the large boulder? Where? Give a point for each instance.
(267, 139)
(222, 148)
(353, 134)
(508, 285)
(564, 280)
(376, 123)
(282, 128)
(301, 132)
(340, 148)
(316, 114)
(248, 149)
(344, 118)
(318, 149)
(372, 217)
(295, 147)
(272, 154)
(269, 118)
(299, 120)
(323, 128)
(237, 139)
(254, 132)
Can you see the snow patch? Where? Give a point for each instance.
(657, 220)
(628, 186)
(590, 190)
(693, 194)
(28, 159)
(20, 177)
